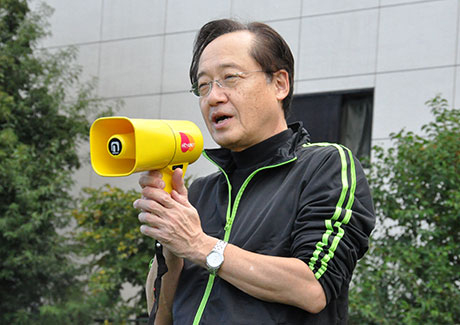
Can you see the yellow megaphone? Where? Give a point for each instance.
(120, 146)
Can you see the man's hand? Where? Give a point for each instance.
(170, 218)
(153, 180)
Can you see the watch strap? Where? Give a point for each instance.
(220, 246)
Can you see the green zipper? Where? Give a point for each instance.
(230, 216)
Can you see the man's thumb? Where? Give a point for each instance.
(178, 182)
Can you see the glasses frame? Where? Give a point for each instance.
(221, 83)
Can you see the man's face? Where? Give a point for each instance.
(249, 113)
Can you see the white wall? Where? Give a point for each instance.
(141, 50)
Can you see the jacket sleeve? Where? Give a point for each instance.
(335, 217)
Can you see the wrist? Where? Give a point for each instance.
(202, 249)
(172, 261)
(215, 258)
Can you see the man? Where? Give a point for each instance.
(274, 236)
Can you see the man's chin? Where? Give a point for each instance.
(225, 142)
(233, 146)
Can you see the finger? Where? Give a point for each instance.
(181, 199)
(151, 232)
(152, 178)
(153, 193)
(150, 206)
(152, 220)
(178, 181)
(159, 196)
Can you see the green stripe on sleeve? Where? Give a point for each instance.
(346, 187)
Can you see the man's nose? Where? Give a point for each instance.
(217, 94)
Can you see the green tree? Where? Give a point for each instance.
(116, 252)
(411, 275)
(40, 129)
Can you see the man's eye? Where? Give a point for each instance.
(203, 85)
(231, 76)
(203, 88)
(230, 80)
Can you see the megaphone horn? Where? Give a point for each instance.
(120, 146)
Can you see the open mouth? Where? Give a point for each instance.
(220, 118)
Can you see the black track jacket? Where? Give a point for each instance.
(308, 200)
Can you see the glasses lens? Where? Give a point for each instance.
(204, 89)
(230, 82)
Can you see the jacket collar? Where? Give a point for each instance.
(287, 151)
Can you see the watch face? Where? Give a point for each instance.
(214, 259)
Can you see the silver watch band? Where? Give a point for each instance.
(220, 246)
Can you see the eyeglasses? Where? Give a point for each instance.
(229, 81)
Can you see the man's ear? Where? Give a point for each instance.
(280, 80)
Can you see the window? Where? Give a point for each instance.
(339, 117)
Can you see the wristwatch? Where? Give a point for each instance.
(215, 258)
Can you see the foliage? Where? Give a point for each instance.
(411, 274)
(108, 231)
(115, 252)
(40, 130)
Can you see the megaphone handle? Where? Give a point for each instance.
(167, 173)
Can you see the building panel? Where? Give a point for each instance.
(266, 10)
(321, 7)
(334, 84)
(417, 36)
(338, 45)
(131, 67)
(192, 14)
(400, 99)
(177, 58)
(122, 19)
(66, 22)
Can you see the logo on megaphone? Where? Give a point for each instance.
(187, 142)
(115, 147)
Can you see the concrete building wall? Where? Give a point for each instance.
(140, 51)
